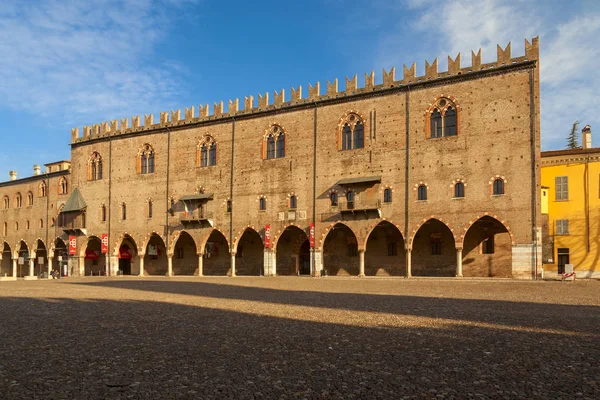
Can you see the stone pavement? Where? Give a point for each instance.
(298, 338)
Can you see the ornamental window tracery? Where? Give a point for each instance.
(146, 159)
(274, 142)
(442, 118)
(352, 132)
(95, 167)
(206, 152)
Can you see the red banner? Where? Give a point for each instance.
(72, 245)
(104, 243)
(268, 236)
(92, 254)
(125, 253)
(312, 235)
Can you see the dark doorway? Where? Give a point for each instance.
(563, 259)
(305, 258)
(125, 266)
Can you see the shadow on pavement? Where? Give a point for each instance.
(84, 349)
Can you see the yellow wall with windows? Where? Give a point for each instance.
(583, 238)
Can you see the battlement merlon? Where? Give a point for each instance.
(121, 126)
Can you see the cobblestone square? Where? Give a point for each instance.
(293, 337)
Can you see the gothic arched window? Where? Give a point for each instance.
(29, 199)
(18, 200)
(352, 132)
(43, 189)
(274, 142)
(206, 152)
(62, 186)
(146, 160)
(442, 118)
(95, 167)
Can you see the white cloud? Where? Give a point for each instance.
(86, 59)
(568, 49)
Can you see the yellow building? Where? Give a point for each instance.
(571, 208)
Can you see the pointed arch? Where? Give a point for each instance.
(216, 254)
(340, 250)
(351, 131)
(155, 255)
(274, 142)
(94, 166)
(185, 254)
(385, 252)
(249, 252)
(146, 159)
(292, 251)
(487, 244)
(6, 262)
(442, 117)
(432, 217)
(433, 246)
(461, 237)
(206, 151)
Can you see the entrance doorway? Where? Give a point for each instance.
(563, 259)
(305, 258)
(125, 266)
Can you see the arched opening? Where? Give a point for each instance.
(340, 251)
(128, 263)
(217, 260)
(433, 250)
(23, 260)
(185, 258)
(487, 249)
(249, 255)
(41, 259)
(60, 260)
(155, 259)
(385, 254)
(6, 265)
(293, 252)
(94, 260)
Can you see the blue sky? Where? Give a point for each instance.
(65, 64)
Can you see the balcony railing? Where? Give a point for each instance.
(195, 217)
(352, 207)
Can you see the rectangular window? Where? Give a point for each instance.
(180, 253)
(436, 247)
(562, 188)
(487, 246)
(562, 226)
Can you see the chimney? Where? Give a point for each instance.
(586, 137)
(37, 170)
(13, 175)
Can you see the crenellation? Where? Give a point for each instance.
(189, 113)
(454, 65)
(279, 101)
(532, 50)
(249, 102)
(148, 120)
(314, 92)
(163, 117)
(218, 109)
(203, 111)
(389, 77)
(332, 88)
(74, 134)
(410, 74)
(233, 106)
(503, 55)
(278, 98)
(475, 60)
(370, 80)
(431, 70)
(263, 101)
(352, 84)
(296, 94)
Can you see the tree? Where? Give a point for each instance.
(572, 139)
